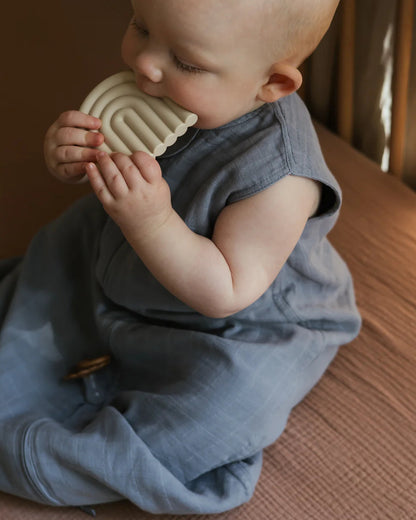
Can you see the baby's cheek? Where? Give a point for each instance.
(189, 95)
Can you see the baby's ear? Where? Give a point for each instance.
(283, 79)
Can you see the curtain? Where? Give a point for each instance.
(373, 58)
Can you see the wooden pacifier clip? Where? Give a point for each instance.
(88, 366)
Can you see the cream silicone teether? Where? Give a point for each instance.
(132, 120)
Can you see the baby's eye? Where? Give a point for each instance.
(141, 31)
(184, 67)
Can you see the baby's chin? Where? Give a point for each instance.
(213, 120)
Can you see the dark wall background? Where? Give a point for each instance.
(52, 53)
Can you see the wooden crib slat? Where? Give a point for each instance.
(345, 102)
(402, 60)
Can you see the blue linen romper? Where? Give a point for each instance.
(178, 421)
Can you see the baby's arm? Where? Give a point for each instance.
(69, 145)
(252, 239)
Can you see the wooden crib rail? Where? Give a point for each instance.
(401, 73)
(345, 101)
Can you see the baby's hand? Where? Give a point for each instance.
(70, 145)
(132, 191)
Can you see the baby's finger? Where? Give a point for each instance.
(148, 166)
(75, 136)
(71, 172)
(98, 184)
(111, 175)
(74, 154)
(129, 170)
(78, 119)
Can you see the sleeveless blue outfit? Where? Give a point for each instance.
(178, 421)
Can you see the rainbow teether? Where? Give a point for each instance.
(132, 120)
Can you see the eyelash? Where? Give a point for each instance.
(184, 67)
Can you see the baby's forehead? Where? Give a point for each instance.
(227, 12)
(207, 20)
(246, 25)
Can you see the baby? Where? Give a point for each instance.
(206, 275)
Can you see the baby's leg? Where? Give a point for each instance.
(45, 302)
(186, 430)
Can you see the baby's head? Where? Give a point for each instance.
(223, 58)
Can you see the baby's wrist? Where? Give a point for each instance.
(151, 230)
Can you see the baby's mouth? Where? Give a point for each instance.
(147, 86)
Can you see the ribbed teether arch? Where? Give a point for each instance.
(132, 120)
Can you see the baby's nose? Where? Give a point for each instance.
(148, 66)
